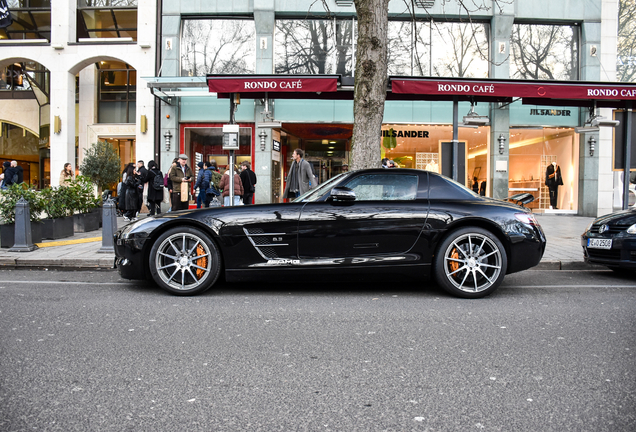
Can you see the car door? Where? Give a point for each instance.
(386, 218)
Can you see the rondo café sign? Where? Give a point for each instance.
(271, 84)
(513, 89)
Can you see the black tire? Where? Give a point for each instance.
(185, 261)
(470, 263)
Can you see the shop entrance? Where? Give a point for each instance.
(326, 146)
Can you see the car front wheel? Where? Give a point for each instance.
(185, 261)
(470, 263)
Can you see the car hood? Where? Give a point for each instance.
(619, 218)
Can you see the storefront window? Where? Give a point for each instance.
(314, 47)
(25, 80)
(458, 49)
(21, 145)
(419, 147)
(117, 92)
(107, 19)
(31, 20)
(217, 46)
(532, 153)
(544, 52)
(206, 143)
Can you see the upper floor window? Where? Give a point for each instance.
(548, 52)
(107, 19)
(430, 48)
(218, 46)
(31, 20)
(314, 46)
(117, 92)
(28, 80)
(626, 49)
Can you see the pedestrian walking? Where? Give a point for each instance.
(67, 175)
(155, 188)
(19, 170)
(181, 177)
(300, 178)
(10, 175)
(168, 182)
(225, 186)
(198, 185)
(248, 178)
(142, 189)
(131, 194)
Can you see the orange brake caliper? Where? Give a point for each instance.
(201, 262)
(454, 265)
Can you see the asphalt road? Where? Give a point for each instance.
(87, 351)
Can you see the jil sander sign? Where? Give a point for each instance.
(550, 112)
(271, 84)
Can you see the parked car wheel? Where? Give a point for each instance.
(471, 263)
(185, 261)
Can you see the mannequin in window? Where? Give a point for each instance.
(553, 180)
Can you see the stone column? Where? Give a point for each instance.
(588, 165)
(501, 27)
(265, 23)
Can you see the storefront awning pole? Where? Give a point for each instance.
(628, 154)
(231, 167)
(455, 137)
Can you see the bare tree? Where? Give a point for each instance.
(217, 46)
(314, 46)
(626, 62)
(544, 52)
(464, 43)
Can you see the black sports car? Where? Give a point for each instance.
(611, 240)
(377, 220)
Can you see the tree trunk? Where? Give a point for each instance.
(370, 83)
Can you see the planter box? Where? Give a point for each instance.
(85, 222)
(58, 228)
(7, 234)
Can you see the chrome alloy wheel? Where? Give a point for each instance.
(472, 262)
(183, 261)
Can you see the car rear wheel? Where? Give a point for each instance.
(185, 261)
(471, 263)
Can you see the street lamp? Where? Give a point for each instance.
(262, 136)
(502, 143)
(167, 136)
(592, 142)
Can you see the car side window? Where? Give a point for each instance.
(384, 187)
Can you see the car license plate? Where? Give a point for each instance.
(599, 243)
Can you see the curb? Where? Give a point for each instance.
(567, 265)
(62, 264)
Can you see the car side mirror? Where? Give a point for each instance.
(341, 193)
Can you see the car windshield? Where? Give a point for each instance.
(314, 194)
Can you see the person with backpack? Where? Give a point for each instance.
(155, 188)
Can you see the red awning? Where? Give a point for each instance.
(535, 92)
(272, 83)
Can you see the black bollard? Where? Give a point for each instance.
(23, 241)
(109, 227)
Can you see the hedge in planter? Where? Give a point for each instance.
(83, 199)
(8, 199)
(59, 210)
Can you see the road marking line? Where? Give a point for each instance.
(68, 282)
(68, 242)
(568, 286)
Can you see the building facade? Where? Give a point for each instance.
(72, 75)
(546, 40)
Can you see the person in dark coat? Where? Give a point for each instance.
(142, 173)
(248, 178)
(132, 194)
(155, 196)
(198, 185)
(20, 171)
(9, 173)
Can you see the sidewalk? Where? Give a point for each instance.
(563, 251)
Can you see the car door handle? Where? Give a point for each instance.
(366, 245)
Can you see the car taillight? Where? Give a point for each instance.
(527, 218)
